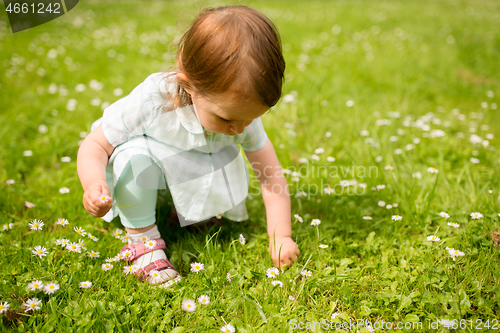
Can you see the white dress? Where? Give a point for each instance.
(205, 172)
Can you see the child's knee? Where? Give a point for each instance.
(147, 173)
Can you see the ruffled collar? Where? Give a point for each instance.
(189, 120)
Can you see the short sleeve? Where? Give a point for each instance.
(131, 115)
(255, 137)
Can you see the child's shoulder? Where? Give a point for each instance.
(161, 87)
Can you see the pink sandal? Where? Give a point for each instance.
(133, 252)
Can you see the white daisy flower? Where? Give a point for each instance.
(62, 222)
(128, 269)
(316, 222)
(204, 299)
(277, 283)
(79, 231)
(10, 182)
(7, 226)
(474, 160)
(109, 259)
(94, 238)
(28, 204)
(228, 277)
(328, 190)
(367, 218)
(455, 253)
(319, 151)
(155, 276)
(299, 218)
(73, 247)
(291, 298)
(349, 103)
(127, 254)
(64, 242)
(272, 272)
(65, 159)
(432, 170)
(35, 285)
(93, 254)
(453, 224)
(344, 183)
(476, 216)
(323, 246)
(144, 239)
(64, 190)
(150, 244)
(335, 315)
(50, 288)
(397, 217)
(305, 272)
(219, 216)
(188, 305)
(443, 214)
(103, 199)
(36, 225)
(242, 240)
(433, 238)
(228, 328)
(388, 167)
(388, 206)
(40, 251)
(118, 233)
(315, 157)
(32, 304)
(4, 307)
(125, 238)
(381, 203)
(330, 159)
(118, 257)
(380, 187)
(85, 284)
(107, 266)
(197, 266)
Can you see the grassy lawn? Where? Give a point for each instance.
(378, 93)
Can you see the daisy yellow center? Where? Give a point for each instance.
(204, 300)
(35, 285)
(272, 273)
(227, 331)
(51, 287)
(103, 198)
(433, 238)
(107, 266)
(197, 267)
(40, 251)
(1, 306)
(155, 274)
(32, 305)
(73, 246)
(189, 305)
(84, 284)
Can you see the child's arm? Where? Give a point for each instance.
(91, 165)
(267, 168)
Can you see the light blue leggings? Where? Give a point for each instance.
(137, 203)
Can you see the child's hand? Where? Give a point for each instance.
(93, 202)
(285, 256)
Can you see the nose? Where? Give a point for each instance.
(238, 127)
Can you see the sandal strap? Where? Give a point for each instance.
(132, 252)
(159, 265)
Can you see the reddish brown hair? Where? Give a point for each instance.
(231, 49)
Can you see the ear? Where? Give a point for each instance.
(181, 77)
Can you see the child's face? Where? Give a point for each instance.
(223, 115)
(229, 118)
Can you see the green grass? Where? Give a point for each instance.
(387, 56)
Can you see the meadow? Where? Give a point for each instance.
(388, 132)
